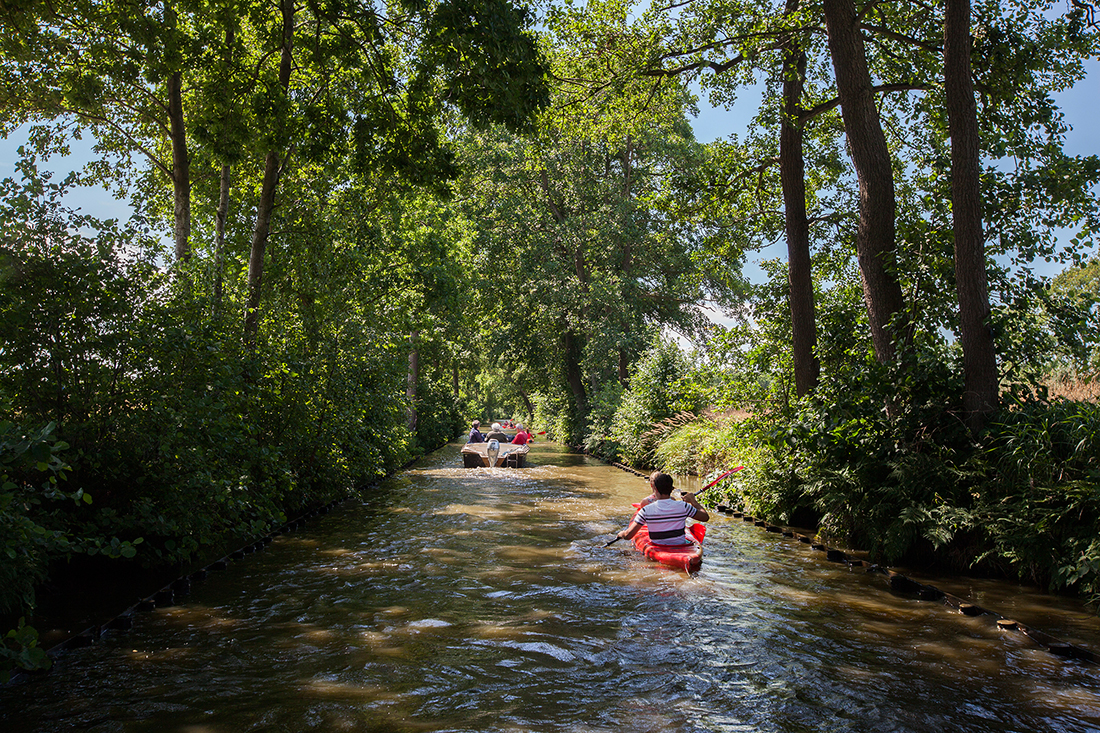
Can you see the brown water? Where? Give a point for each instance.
(485, 600)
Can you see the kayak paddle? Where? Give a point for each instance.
(715, 481)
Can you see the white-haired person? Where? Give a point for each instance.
(497, 434)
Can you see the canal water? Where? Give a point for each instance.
(485, 600)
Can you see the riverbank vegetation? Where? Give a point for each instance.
(353, 230)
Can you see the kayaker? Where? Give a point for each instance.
(665, 517)
(475, 435)
(497, 434)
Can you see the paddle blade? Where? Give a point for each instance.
(715, 481)
(724, 475)
(698, 531)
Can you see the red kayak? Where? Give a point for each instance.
(681, 557)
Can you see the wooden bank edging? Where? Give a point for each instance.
(900, 583)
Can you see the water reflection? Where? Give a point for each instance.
(484, 600)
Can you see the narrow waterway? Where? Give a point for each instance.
(485, 600)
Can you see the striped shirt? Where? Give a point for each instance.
(665, 519)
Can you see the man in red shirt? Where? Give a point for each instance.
(522, 436)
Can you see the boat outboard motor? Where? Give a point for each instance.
(492, 451)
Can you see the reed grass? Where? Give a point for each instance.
(1081, 389)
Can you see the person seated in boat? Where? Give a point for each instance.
(475, 435)
(497, 434)
(664, 517)
(522, 436)
(652, 490)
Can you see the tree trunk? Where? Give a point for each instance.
(225, 184)
(792, 177)
(979, 355)
(266, 205)
(413, 378)
(624, 368)
(875, 243)
(219, 234)
(259, 244)
(573, 374)
(527, 402)
(181, 169)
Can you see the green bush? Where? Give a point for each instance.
(705, 446)
(659, 389)
(42, 519)
(1039, 505)
(439, 416)
(188, 439)
(553, 412)
(601, 416)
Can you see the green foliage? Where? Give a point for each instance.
(1042, 491)
(490, 62)
(20, 650)
(554, 413)
(531, 290)
(601, 421)
(1076, 325)
(188, 441)
(865, 448)
(42, 519)
(30, 473)
(659, 388)
(708, 445)
(439, 416)
(888, 466)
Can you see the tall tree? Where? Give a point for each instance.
(115, 69)
(723, 44)
(975, 330)
(388, 76)
(277, 155)
(793, 178)
(875, 234)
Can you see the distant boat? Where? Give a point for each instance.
(494, 454)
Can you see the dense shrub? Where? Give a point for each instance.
(554, 413)
(439, 415)
(601, 417)
(889, 467)
(658, 390)
(41, 519)
(707, 445)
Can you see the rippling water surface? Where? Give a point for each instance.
(485, 600)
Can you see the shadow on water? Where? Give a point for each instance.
(485, 600)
